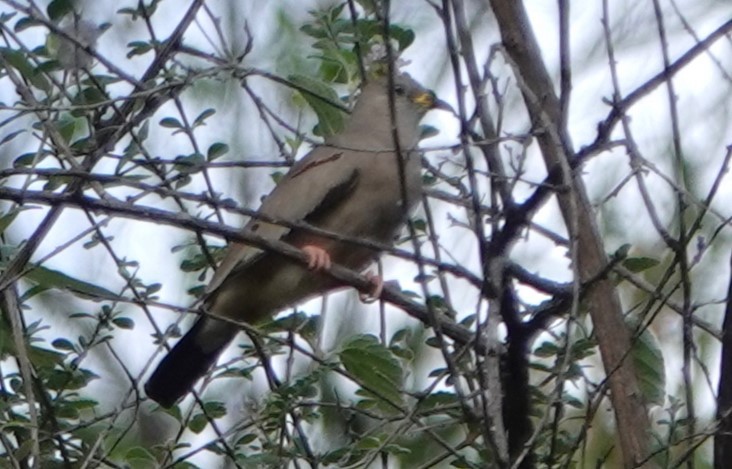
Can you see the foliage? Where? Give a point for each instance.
(118, 141)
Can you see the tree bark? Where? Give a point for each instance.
(605, 309)
(723, 435)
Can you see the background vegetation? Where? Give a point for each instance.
(558, 300)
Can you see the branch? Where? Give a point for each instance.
(587, 250)
(620, 108)
(345, 276)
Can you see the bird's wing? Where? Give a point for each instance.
(312, 187)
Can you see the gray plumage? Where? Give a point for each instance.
(350, 185)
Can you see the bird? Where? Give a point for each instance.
(352, 185)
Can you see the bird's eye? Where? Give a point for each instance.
(400, 90)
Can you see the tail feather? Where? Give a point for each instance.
(188, 361)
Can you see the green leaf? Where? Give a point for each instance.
(336, 11)
(50, 278)
(201, 119)
(370, 30)
(246, 439)
(215, 409)
(198, 423)
(11, 136)
(461, 463)
(8, 218)
(45, 358)
(547, 349)
(5, 17)
(427, 131)
(649, 366)
(405, 37)
(84, 403)
(124, 323)
(217, 150)
(25, 23)
(66, 126)
(330, 118)
(369, 442)
(59, 8)
(63, 344)
(171, 123)
(139, 457)
(439, 399)
(189, 164)
(639, 264)
(375, 367)
(312, 31)
(277, 176)
(621, 252)
(18, 60)
(87, 96)
(369, 6)
(24, 450)
(68, 379)
(138, 48)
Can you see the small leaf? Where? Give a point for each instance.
(50, 278)
(369, 442)
(139, 457)
(312, 31)
(200, 120)
(461, 463)
(24, 450)
(198, 423)
(59, 8)
(11, 136)
(66, 126)
(427, 131)
(84, 403)
(639, 264)
(5, 17)
(8, 218)
(405, 37)
(621, 252)
(649, 366)
(330, 118)
(433, 342)
(124, 323)
(215, 409)
(63, 344)
(18, 60)
(217, 150)
(246, 439)
(138, 48)
(336, 11)
(277, 176)
(87, 96)
(25, 23)
(375, 367)
(189, 164)
(171, 123)
(29, 159)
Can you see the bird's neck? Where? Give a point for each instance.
(363, 132)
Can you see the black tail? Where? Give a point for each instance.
(189, 360)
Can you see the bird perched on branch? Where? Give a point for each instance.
(354, 185)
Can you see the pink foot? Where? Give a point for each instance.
(377, 286)
(318, 258)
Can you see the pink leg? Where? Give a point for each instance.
(377, 286)
(318, 258)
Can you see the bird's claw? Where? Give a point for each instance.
(318, 258)
(377, 287)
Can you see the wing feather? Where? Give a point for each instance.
(312, 187)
